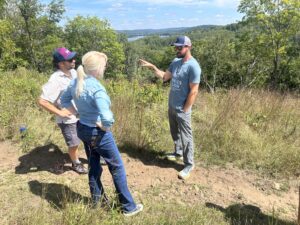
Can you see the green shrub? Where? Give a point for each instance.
(19, 91)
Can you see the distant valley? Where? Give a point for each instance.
(164, 32)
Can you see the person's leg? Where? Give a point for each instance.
(184, 123)
(88, 136)
(185, 130)
(95, 171)
(102, 161)
(175, 133)
(73, 153)
(103, 144)
(69, 133)
(87, 149)
(109, 151)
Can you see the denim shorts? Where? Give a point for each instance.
(70, 134)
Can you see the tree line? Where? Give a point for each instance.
(262, 50)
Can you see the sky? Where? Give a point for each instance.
(155, 14)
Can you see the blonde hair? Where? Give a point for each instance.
(92, 62)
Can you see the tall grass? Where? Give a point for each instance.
(254, 129)
(250, 128)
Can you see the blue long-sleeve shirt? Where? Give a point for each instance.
(93, 104)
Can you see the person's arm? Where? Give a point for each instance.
(50, 94)
(66, 101)
(194, 80)
(191, 97)
(105, 113)
(165, 76)
(53, 109)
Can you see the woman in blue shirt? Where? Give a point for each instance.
(93, 128)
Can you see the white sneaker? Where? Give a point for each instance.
(138, 208)
(186, 172)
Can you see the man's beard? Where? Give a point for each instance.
(180, 56)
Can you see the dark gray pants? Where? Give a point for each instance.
(181, 131)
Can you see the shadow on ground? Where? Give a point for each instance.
(241, 214)
(44, 158)
(149, 157)
(57, 195)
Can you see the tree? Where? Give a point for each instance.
(41, 33)
(277, 22)
(85, 34)
(252, 57)
(155, 49)
(216, 54)
(8, 48)
(35, 30)
(29, 10)
(2, 5)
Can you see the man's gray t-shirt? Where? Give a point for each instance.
(183, 73)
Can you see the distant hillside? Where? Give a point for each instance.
(165, 31)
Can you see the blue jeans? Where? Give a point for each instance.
(101, 143)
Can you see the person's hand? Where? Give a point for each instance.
(65, 113)
(185, 109)
(72, 110)
(145, 63)
(99, 124)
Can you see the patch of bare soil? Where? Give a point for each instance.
(8, 156)
(221, 187)
(152, 175)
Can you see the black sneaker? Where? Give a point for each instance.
(79, 168)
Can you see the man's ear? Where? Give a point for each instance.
(60, 64)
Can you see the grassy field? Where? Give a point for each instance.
(250, 129)
(254, 129)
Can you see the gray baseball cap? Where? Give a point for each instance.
(182, 41)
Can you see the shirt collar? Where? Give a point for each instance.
(62, 74)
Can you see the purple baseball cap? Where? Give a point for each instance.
(63, 54)
(182, 41)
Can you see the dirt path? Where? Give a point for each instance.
(151, 175)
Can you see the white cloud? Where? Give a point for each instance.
(158, 2)
(219, 3)
(131, 14)
(117, 5)
(151, 9)
(230, 3)
(219, 15)
(176, 2)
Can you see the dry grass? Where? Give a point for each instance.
(250, 128)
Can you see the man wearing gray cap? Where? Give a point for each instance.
(184, 73)
(64, 63)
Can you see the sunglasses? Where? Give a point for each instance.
(179, 48)
(71, 60)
